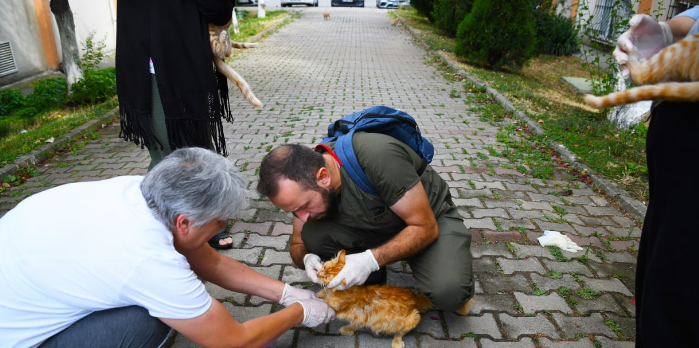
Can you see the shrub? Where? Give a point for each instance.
(94, 52)
(556, 33)
(498, 33)
(11, 100)
(424, 7)
(449, 13)
(48, 94)
(95, 86)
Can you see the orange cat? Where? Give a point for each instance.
(326, 15)
(221, 45)
(388, 309)
(678, 63)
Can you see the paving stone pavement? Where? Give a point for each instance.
(311, 72)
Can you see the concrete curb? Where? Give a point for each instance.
(631, 205)
(47, 150)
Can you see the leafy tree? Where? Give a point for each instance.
(424, 7)
(556, 33)
(69, 43)
(497, 34)
(448, 14)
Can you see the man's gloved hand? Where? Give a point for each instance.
(316, 312)
(292, 294)
(313, 265)
(221, 45)
(645, 35)
(357, 269)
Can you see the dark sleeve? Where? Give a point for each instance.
(390, 165)
(218, 12)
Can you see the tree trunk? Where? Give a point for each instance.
(69, 44)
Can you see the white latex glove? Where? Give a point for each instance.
(357, 269)
(221, 45)
(292, 294)
(312, 264)
(645, 35)
(316, 312)
(560, 240)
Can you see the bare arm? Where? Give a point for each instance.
(680, 27)
(216, 327)
(231, 274)
(297, 249)
(421, 230)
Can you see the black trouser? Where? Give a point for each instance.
(114, 328)
(442, 271)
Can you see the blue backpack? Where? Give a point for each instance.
(376, 119)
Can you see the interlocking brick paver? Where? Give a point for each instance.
(538, 325)
(525, 342)
(459, 326)
(312, 71)
(551, 302)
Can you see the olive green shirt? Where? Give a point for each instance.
(391, 167)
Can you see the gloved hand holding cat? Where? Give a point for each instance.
(315, 311)
(357, 269)
(646, 35)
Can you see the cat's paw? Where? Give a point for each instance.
(397, 343)
(347, 330)
(321, 294)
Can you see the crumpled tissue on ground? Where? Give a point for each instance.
(560, 240)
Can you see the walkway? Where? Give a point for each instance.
(313, 71)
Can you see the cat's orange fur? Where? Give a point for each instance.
(388, 309)
(395, 21)
(326, 15)
(217, 49)
(675, 69)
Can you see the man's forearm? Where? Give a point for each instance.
(298, 251)
(410, 241)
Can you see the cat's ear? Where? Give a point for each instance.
(341, 256)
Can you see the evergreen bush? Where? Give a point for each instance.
(448, 14)
(556, 33)
(424, 7)
(496, 34)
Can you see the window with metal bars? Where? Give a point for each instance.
(605, 17)
(677, 6)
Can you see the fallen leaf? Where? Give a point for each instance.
(50, 140)
(5, 185)
(541, 121)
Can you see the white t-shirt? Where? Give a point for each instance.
(84, 247)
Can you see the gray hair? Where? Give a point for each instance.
(195, 182)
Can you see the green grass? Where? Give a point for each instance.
(538, 92)
(49, 125)
(249, 25)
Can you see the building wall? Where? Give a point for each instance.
(18, 24)
(21, 23)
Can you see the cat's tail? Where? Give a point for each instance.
(422, 303)
(244, 44)
(238, 80)
(671, 91)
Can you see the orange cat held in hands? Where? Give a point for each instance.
(675, 69)
(383, 309)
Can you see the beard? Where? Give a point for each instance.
(332, 204)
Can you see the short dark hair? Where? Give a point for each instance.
(291, 161)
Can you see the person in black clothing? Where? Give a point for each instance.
(181, 99)
(665, 285)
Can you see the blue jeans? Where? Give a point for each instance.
(119, 327)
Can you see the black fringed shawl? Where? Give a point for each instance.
(175, 34)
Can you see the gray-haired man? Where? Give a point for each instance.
(116, 261)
